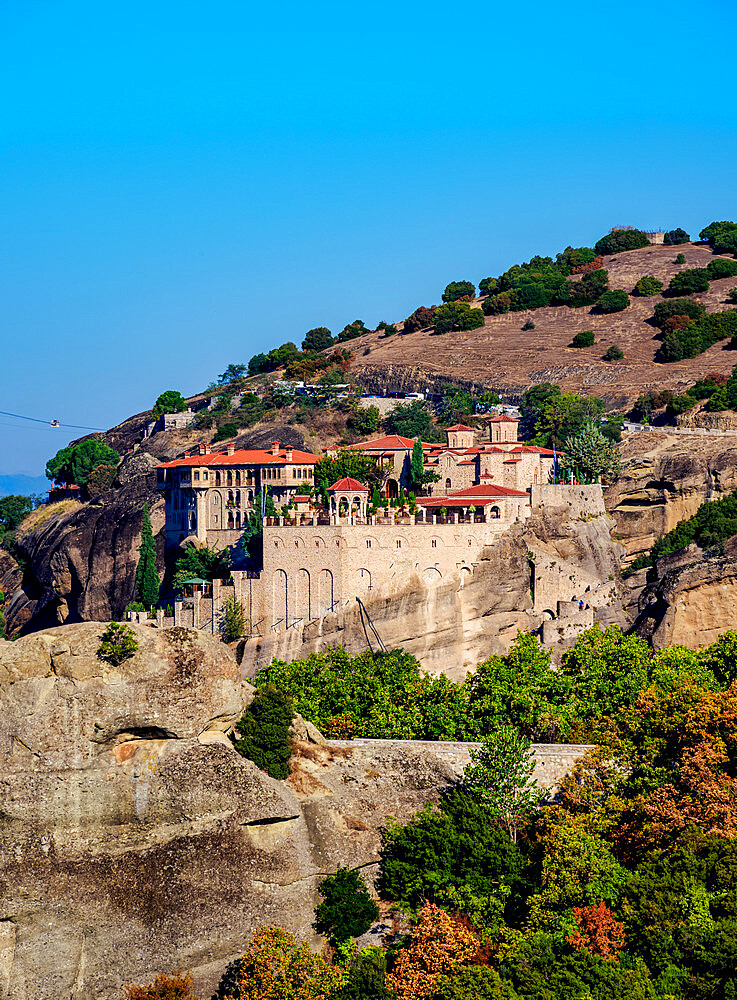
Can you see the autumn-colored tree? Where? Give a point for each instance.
(174, 987)
(274, 968)
(440, 944)
(597, 931)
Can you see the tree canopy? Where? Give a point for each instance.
(170, 401)
(75, 463)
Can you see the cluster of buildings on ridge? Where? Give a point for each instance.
(209, 495)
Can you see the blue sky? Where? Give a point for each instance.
(183, 185)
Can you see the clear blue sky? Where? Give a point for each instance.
(183, 185)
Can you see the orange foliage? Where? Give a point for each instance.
(274, 968)
(597, 931)
(440, 942)
(176, 987)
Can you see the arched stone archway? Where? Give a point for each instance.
(327, 593)
(392, 488)
(303, 600)
(280, 602)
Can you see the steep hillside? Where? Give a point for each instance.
(502, 356)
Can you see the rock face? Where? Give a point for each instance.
(689, 597)
(665, 479)
(81, 565)
(135, 840)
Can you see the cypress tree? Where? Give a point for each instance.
(147, 576)
(417, 468)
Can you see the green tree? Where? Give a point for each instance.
(721, 267)
(459, 290)
(584, 338)
(420, 319)
(693, 279)
(262, 733)
(488, 286)
(457, 316)
(200, 563)
(557, 416)
(12, 511)
(347, 910)
(417, 466)
(621, 239)
(252, 538)
(233, 373)
(501, 771)
(648, 285)
(225, 432)
(117, 644)
(74, 463)
(147, 576)
(350, 462)
(677, 307)
(318, 339)
(411, 420)
(101, 479)
(590, 455)
(234, 619)
(364, 420)
(675, 237)
(613, 353)
(613, 301)
(170, 401)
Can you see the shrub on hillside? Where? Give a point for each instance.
(529, 325)
(163, 987)
(263, 731)
(693, 279)
(364, 420)
(102, 478)
(225, 432)
(721, 236)
(732, 295)
(352, 330)
(674, 237)
(387, 329)
(170, 401)
(456, 290)
(420, 319)
(621, 239)
(530, 296)
(677, 307)
(574, 258)
(318, 339)
(648, 285)
(347, 910)
(457, 316)
(698, 336)
(585, 338)
(494, 305)
(117, 644)
(721, 267)
(613, 353)
(613, 301)
(488, 286)
(586, 291)
(680, 259)
(76, 462)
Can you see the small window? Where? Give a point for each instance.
(434, 543)
(368, 543)
(197, 475)
(399, 543)
(205, 474)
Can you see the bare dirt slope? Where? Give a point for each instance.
(503, 356)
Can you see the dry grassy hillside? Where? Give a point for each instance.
(501, 355)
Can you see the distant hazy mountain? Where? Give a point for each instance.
(21, 485)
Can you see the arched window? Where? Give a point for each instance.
(448, 484)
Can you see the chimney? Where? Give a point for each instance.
(187, 454)
(203, 449)
(230, 449)
(207, 449)
(274, 447)
(289, 452)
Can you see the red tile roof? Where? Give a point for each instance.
(348, 484)
(504, 419)
(255, 456)
(459, 427)
(393, 442)
(486, 492)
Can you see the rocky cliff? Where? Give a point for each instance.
(134, 839)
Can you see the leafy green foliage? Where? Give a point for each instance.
(619, 240)
(591, 455)
(721, 236)
(12, 511)
(233, 373)
(680, 258)
(147, 575)
(225, 432)
(573, 257)
(117, 644)
(200, 563)
(691, 339)
(347, 911)
(276, 358)
(612, 301)
(455, 852)
(488, 286)
(457, 316)
(693, 279)
(364, 420)
(529, 325)
(318, 339)
(411, 420)
(497, 304)
(170, 401)
(613, 353)
(721, 267)
(585, 292)
(263, 731)
(584, 338)
(352, 330)
(252, 538)
(677, 307)
(346, 462)
(75, 463)
(501, 773)
(648, 285)
(713, 522)
(234, 619)
(555, 415)
(675, 237)
(459, 290)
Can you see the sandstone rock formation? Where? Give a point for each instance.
(80, 565)
(665, 479)
(134, 839)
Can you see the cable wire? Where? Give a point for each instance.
(51, 423)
